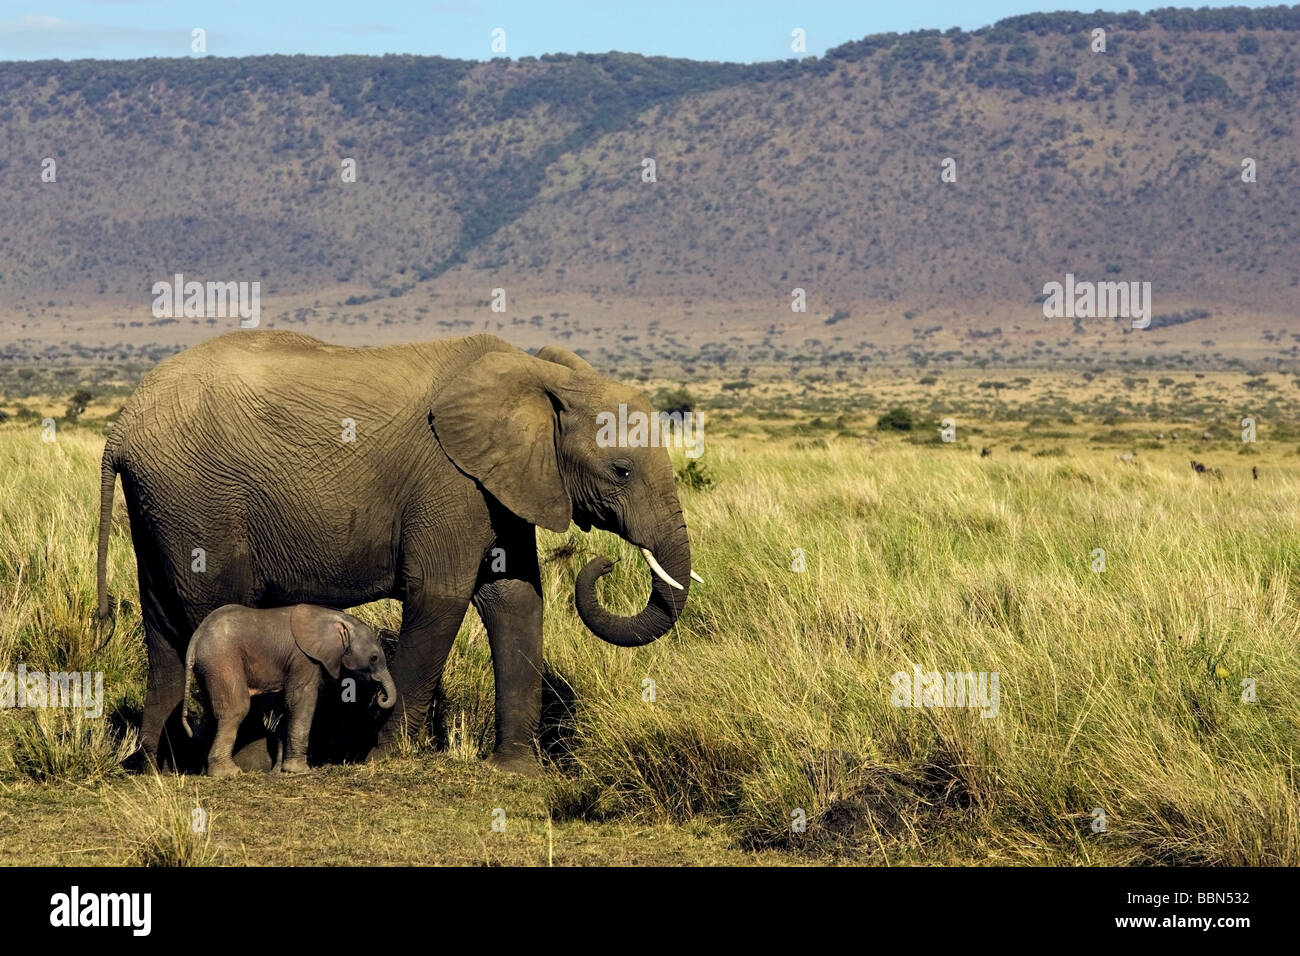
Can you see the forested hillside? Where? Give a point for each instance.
(527, 174)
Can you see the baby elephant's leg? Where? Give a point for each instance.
(300, 703)
(229, 701)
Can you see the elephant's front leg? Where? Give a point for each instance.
(429, 629)
(510, 605)
(300, 705)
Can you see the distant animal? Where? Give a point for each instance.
(1127, 455)
(1202, 469)
(1254, 472)
(238, 652)
(1205, 436)
(985, 453)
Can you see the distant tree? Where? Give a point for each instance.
(675, 400)
(896, 419)
(77, 404)
(1206, 86)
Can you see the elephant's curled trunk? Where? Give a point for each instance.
(387, 691)
(663, 607)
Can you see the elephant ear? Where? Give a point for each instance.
(553, 353)
(320, 634)
(497, 420)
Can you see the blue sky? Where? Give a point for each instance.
(739, 30)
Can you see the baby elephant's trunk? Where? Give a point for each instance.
(387, 691)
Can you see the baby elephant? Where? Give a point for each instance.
(238, 651)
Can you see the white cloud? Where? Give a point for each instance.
(38, 35)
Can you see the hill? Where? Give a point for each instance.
(822, 174)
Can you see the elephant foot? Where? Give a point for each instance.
(391, 741)
(141, 762)
(294, 765)
(524, 764)
(223, 768)
(257, 756)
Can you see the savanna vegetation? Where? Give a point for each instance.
(1120, 689)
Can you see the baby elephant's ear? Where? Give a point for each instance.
(321, 634)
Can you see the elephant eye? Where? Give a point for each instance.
(374, 658)
(621, 472)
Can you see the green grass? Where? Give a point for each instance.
(1119, 690)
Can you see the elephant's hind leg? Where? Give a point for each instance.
(162, 739)
(230, 705)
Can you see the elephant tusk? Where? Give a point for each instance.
(696, 577)
(654, 566)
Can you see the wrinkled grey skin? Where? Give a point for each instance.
(462, 447)
(238, 652)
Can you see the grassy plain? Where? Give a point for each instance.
(1119, 689)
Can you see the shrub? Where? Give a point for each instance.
(1206, 86)
(57, 744)
(675, 400)
(896, 419)
(159, 827)
(694, 474)
(77, 404)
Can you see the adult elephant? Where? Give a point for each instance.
(268, 468)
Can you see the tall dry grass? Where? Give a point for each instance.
(1119, 691)
(159, 824)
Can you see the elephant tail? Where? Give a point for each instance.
(107, 484)
(185, 694)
